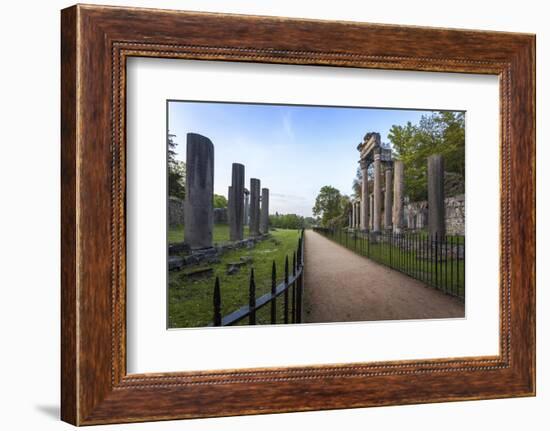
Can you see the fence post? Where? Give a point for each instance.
(300, 281)
(252, 299)
(217, 303)
(273, 293)
(286, 289)
(294, 287)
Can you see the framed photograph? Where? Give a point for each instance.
(264, 214)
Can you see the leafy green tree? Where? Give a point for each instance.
(220, 201)
(287, 221)
(440, 132)
(328, 204)
(176, 171)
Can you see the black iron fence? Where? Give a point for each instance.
(291, 289)
(435, 260)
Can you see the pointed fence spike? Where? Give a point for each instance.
(217, 303)
(252, 299)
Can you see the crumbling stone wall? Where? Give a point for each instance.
(175, 211)
(416, 215)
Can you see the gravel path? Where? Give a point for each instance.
(341, 286)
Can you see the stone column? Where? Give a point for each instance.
(264, 213)
(198, 204)
(246, 206)
(229, 204)
(388, 200)
(353, 214)
(371, 210)
(254, 207)
(398, 190)
(364, 195)
(436, 196)
(377, 215)
(349, 220)
(237, 202)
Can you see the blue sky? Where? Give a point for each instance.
(293, 150)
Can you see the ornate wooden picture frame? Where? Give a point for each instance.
(96, 41)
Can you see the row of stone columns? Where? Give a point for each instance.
(367, 212)
(199, 206)
(243, 205)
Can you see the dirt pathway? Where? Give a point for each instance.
(340, 286)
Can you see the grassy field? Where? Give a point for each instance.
(446, 275)
(190, 301)
(220, 234)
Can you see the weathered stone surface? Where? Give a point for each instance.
(371, 210)
(436, 196)
(398, 195)
(229, 204)
(198, 203)
(175, 263)
(237, 202)
(377, 206)
(388, 200)
(175, 211)
(246, 207)
(254, 207)
(455, 215)
(364, 204)
(221, 216)
(178, 247)
(264, 213)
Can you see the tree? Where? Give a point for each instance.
(437, 133)
(220, 201)
(176, 171)
(287, 221)
(328, 204)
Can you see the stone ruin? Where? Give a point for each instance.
(381, 204)
(198, 205)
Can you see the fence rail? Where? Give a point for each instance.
(435, 260)
(291, 288)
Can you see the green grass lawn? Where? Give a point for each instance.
(447, 275)
(220, 234)
(190, 301)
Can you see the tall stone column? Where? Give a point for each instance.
(353, 214)
(388, 200)
(246, 206)
(229, 204)
(377, 216)
(237, 202)
(198, 204)
(364, 195)
(398, 190)
(436, 195)
(254, 207)
(371, 209)
(264, 213)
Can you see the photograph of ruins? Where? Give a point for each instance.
(292, 214)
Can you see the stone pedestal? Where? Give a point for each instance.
(198, 204)
(398, 190)
(436, 196)
(264, 213)
(254, 207)
(377, 208)
(237, 202)
(388, 200)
